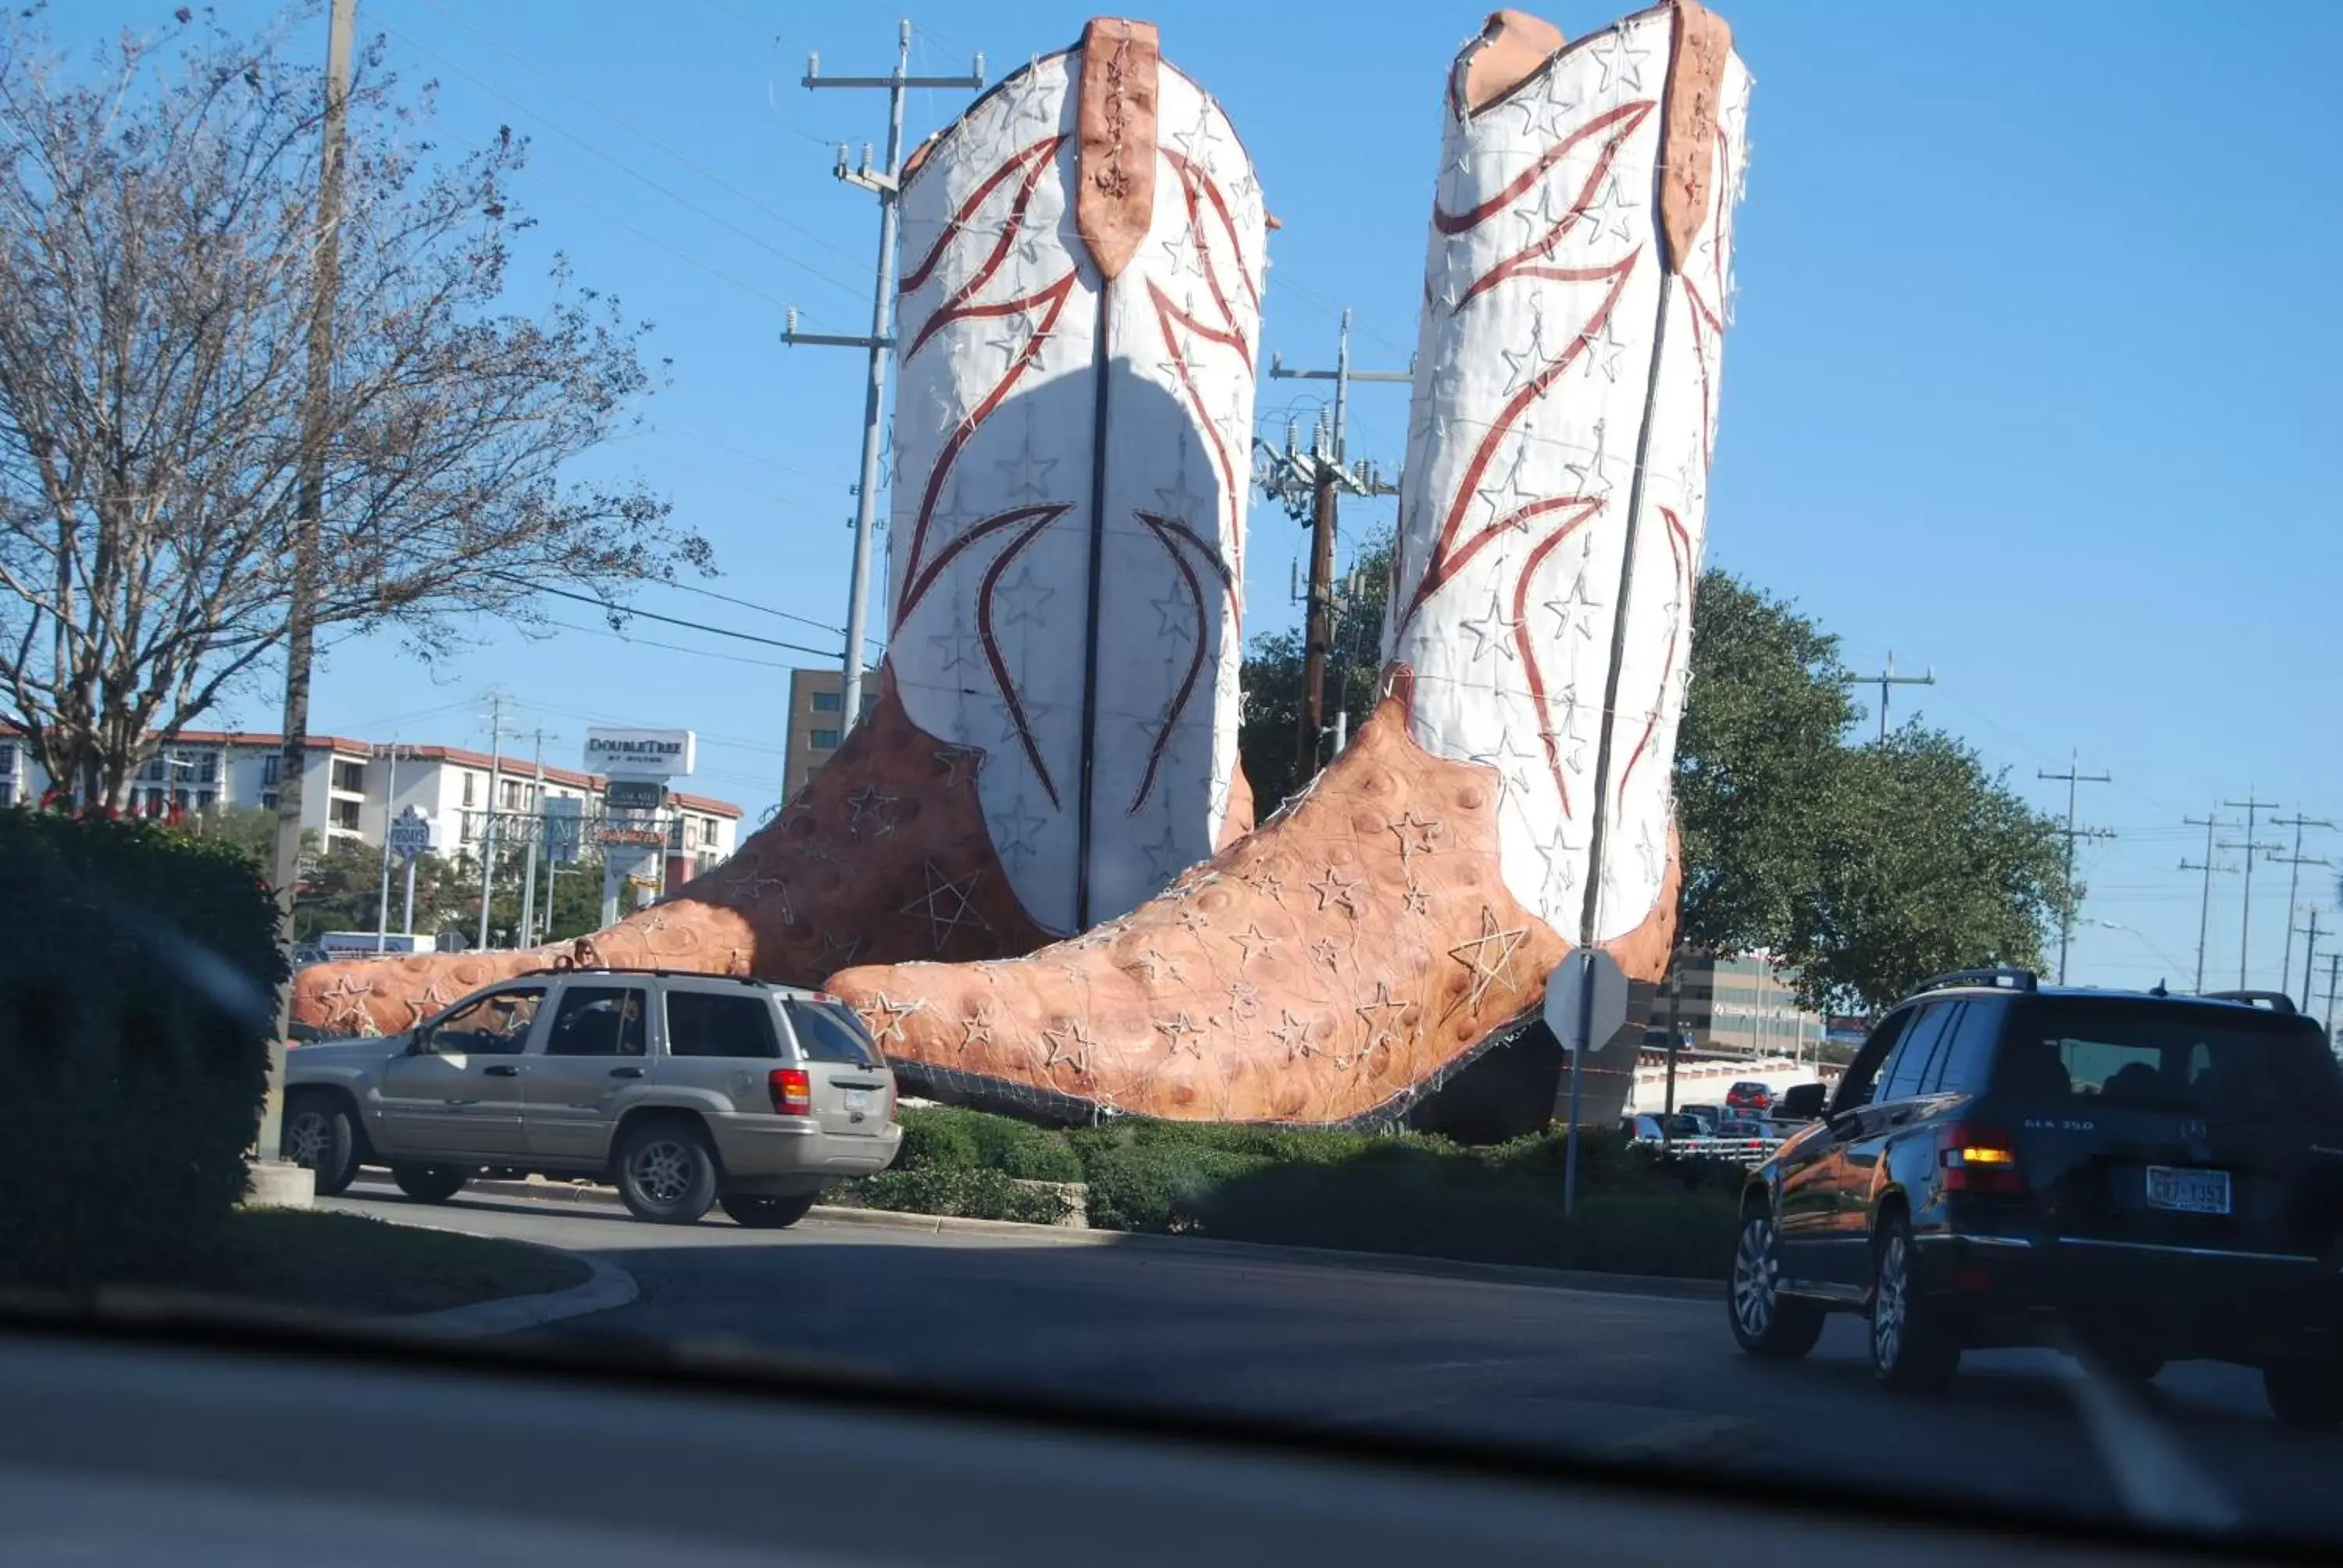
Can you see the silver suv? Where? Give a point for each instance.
(683, 1090)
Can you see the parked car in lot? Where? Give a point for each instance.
(1750, 1098)
(684, 1090)
(2153, 1177)
(1708, 1116)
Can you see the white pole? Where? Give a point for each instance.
(390, 805)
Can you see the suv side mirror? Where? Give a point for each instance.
(420, 1044)
(1803, 1102)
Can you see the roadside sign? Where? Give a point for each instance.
(658, 754)
(410, 834)
(565, 828)
(634, 795)
(1566, 993)
(646, 838)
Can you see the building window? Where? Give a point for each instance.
(271, 768)
(349, 777)
(512, 794)
(825, 740)
(828, 701)
(707, 833)
(346, 815)
(469, 780)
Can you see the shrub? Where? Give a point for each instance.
(1158, 1186)
(957, 1139)
(972, 1193)
(137, 1001)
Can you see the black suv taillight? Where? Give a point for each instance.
(1978, 1160)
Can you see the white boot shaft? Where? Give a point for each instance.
(1073, 413)
(1574, 303)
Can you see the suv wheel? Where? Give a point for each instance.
(767, 1213)
(431, 1183)
(321, 1136)
(2306, 1393)
(1767, 1322)
(1913, 1349)
(667, 1171)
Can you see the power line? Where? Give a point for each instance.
(670, 647)
(624, 168)
(2209, 865)
(700, 169)
(608, 608)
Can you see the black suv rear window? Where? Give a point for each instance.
(2207, 1061)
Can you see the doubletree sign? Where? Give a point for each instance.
(652, 754)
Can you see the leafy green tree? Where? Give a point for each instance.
(1925, 863)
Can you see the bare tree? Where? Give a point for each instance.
(156, 275)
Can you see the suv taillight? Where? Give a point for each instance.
(1978, 1160)
(792, 1090)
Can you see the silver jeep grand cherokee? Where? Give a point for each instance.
(683, 1090)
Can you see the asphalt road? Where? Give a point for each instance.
(1360, 1346)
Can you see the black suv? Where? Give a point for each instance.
(2143, 1177)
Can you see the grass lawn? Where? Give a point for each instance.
(350, 1265)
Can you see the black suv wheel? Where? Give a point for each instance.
(767, 1213)
(1913, 1349)
(1767, 1322)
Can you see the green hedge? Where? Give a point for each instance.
(1406, 1193)
(137, 999)
(968, 1193)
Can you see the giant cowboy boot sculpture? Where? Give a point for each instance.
(1055, 731)
(1411, 903)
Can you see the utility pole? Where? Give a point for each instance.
(536, 831)
(2251, 806)
(2294, 884)
(308, 506)
(389, 815)
(886, 184)
(1318, 479)
(1886, 678)
(2334, 975)
(2209, 865)
(489, 832)
(2072, 777)
(2309, 954)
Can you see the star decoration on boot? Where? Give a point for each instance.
(1293, 1034)
(1332, 891)
(1383, 1002)
(870, 808)
(975, 1030)
(1576, 610)
(1244, 1001)
(1193, 922)
(1163, 857)
(1270, 886)
(346, 995)
(432, 999)
(1327, 953)
(1254, 942)
(837, 955)
(952, 759)
(947, 904)
(1416, 835)
(1180, 1034)
(1488, 972)
(1014, 831)
(1148, 964)
(887, 1016)
(1620, 66)
(1069, 1046)
(1415, 901)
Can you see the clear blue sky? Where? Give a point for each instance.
(2034, 354)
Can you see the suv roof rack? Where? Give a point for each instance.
(2275, 1000)
(643, 969)
(1993, 979)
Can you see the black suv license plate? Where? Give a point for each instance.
(2188, 1192)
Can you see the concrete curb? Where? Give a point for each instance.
(609, 1286)
(1695, 1440)
(1664, 1285)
